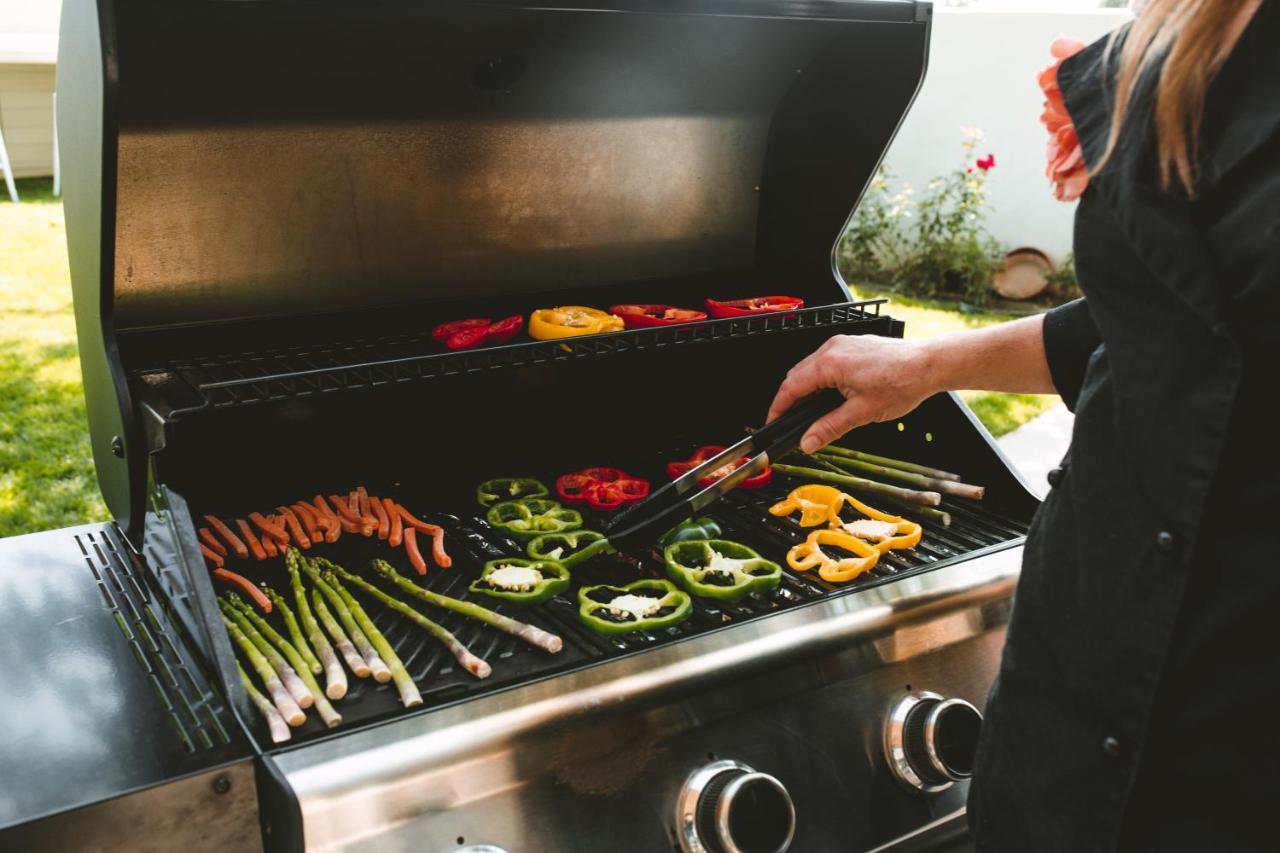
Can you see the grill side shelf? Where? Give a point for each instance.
(228, 380)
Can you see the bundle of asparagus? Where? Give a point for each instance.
(288, 666)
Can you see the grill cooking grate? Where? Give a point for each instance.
(744, 517)
(238, 379)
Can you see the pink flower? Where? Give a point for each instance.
(1066, 168)
(987, 163)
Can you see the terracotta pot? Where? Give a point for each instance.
(1023, 274)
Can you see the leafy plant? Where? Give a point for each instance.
(937, 246)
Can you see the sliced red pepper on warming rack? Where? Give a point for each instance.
(645, 316)
(466, 334)
(702, 454)
(753, 306)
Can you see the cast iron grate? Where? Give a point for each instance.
(743, 515)
(237, 379)
(196, 713)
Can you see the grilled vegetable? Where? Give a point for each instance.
(818, 504)
(255, 547)
(928, 512)
(335, 679)
(357, 664)
(330, 717)
(241, 582)
(445, 331)
(691, 528)
(232, 540)
(529, 517)
(809, 554)
(270, 529)
(849, 481)
(702, 454)
(491, 492)
(834, 450)
(717, 568)
(411, 548)
(604, 489)
(437, 537)
(472, 664)
(751, 307)
(646, 316)
(288, 677)
(504, 330)
(569, 549)
(409, 695)
(530, 634)
(278, 727)
(284, 703)
(521, 581)
(644, 605)
(213, 557)
(211, 541)
(465, 334)
(296, 636)
(922, 481)
(377, 666)
(300, 537)
(570, 321)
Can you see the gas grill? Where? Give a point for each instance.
(269, 206)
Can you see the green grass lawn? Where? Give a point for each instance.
(46, 470)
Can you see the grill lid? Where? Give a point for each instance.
(230, 161)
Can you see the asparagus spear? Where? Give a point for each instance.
(283, 701)
(938, 515)
(296, 636)
(409, 695)
(908, 495)
(377, 666)
(834, 450)
(279, 728)
(530, 634)
(330, 717)
(947, 487)
(355, 662)
(296, 687)
(335, 679)
(472, 664)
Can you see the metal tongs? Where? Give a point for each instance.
(643, 522)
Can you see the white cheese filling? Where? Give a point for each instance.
(555, 553)
(514, 578)
(639, 606)
(722, 564)
(868, 528)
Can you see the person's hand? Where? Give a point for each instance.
(880, 378)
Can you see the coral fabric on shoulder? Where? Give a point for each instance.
(1066, 167)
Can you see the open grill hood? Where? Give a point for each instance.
(270, 171)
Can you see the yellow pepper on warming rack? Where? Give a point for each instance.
(809, 554)
(569, 321)
(815, 502)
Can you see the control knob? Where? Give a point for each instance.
(727, 807)
(930, 743)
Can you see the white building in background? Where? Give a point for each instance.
(28, 51)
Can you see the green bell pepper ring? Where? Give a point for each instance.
(491, 492)
(569, 549)
(520, 580)
(691, 528)
(645, 605)
(717, 568)
(529, 517)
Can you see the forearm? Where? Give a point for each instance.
(1005, 357)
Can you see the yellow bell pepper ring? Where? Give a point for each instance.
(884, 531)
(817, 504)
(570, 321)
(809, 554)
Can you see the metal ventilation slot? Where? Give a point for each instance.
(197, 714)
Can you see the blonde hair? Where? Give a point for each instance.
(1187, 41)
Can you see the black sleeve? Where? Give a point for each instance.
(1070, 337)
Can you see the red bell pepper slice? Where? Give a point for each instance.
(504, 330)
(607, 475)
(750, 307)
(444, 331)
(702, 454)
(646, 316)
(467, 338)
(572, 488)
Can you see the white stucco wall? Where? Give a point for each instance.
(982, 70)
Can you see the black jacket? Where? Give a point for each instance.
(1134, 706)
